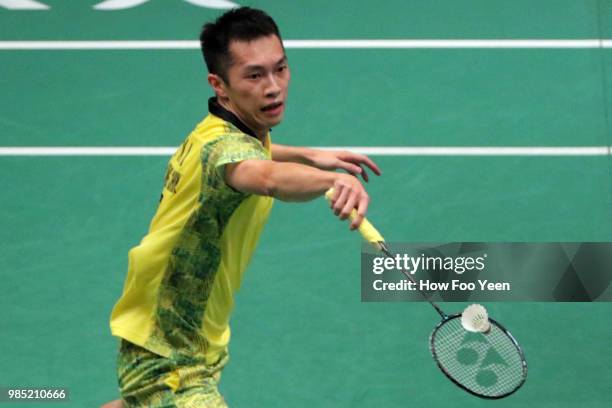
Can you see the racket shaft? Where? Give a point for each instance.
(371, 235)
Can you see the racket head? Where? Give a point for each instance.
(490, 366)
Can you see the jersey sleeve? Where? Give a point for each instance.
(228, 149)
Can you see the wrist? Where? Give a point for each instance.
(331, 178)
(308, 156)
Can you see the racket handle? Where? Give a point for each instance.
(367, 230)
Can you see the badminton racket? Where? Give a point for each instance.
(477, 354)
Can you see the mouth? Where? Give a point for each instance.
(273, 108)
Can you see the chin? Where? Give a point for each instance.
(279, 119)
(276, 122)
(271, 123)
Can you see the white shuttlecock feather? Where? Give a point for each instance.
(475, 319)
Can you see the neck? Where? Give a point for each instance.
(260, 133)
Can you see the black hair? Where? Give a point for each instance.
(242, 24)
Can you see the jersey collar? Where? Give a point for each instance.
(216, 109)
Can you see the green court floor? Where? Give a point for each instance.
(301, 336)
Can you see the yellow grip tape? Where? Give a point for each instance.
(367, 230)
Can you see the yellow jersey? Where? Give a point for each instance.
(181, 280)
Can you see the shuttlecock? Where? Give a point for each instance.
(475, 319)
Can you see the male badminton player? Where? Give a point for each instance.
(173, 316)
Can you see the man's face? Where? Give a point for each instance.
(258, 82)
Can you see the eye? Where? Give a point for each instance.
(254, 75)
(282, 68)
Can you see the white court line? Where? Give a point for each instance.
(373, 151)
(305, 44)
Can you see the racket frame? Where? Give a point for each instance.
(515, 343)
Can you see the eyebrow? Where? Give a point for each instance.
(256, 67)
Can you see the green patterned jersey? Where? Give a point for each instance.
(182, 278)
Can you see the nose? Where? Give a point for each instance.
(273, 87)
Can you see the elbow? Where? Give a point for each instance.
(269, 189)
(271, 182)
(268, 184)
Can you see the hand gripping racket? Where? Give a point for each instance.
(487, 364)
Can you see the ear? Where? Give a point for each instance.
(218, 85)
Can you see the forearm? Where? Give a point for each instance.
(285, 181)
(297, 182)
(351, 162)
(294, 154)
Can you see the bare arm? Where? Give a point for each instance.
(285, 181)
(325, 159)
(298, 182)
(294, 154)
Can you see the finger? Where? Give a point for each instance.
(341, 201)
(362, 209)
(350, 167)
(335, 195)
(370, 163)
(364, 175)
(361, 159)
(349, 206)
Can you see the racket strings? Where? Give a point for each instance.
(489, 365)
